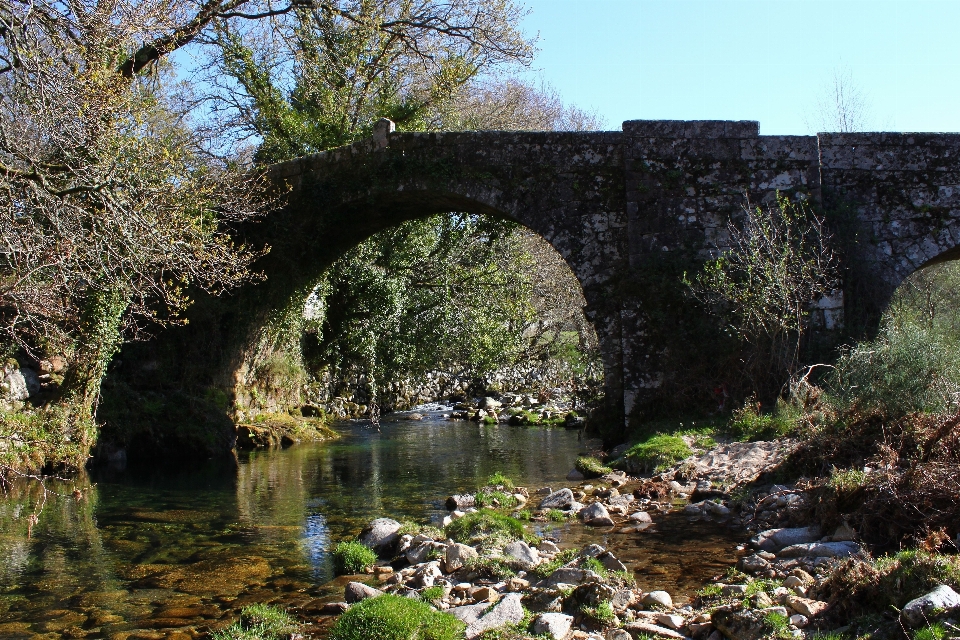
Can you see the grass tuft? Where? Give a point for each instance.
(391, 617)
(352, 557)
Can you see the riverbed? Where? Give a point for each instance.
(146, 552)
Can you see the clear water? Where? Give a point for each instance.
(146, 553)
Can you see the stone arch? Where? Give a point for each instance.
(565, 187)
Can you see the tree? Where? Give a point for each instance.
(447, 290)
(109, 208)
(778, 264)
(842, 106)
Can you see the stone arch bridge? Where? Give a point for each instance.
(629, 211)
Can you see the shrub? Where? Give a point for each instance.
(591, 467)
(905, 370)
(259, 622)
(658, 453)
(352, 557)
(482, 524)
(865, 587)
(391, 617)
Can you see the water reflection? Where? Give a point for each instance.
(186, 547)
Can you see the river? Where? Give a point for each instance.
(143, 553)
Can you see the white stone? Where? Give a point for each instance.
(916, 611)
(507, 611)
(661, 598)
(522, 554)
(555, 625)
(670, 621)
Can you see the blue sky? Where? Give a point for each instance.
(766, 60)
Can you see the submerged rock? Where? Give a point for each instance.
(560, 499)
(596, 515)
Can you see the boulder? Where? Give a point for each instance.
(549, 547)
(560, 499)
(553, 625)
(805, 606)
(459, 502)
(380, 535)
(661, 598)
(716, 509)
(596, 515)
(507, 611)
(469, 613)
(490, 403)
(741, 624)
(427, 574)
(610, 562)
(357, 591)
(457, 556)
(916, 612)
(752, 564)
(640, 517)
(519, 553)
(623, 599)
(670, 621)
(776, 539)
(820, 550)
(575, 476)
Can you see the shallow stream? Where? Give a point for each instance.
(167, 552)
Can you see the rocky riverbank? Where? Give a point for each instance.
(486, 569)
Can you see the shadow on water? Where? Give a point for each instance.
(173, 547)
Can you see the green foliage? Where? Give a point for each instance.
(749, 423)
(495, 499)
(935, 631)
(658, 453)
(556, 515)
(391, 617)
(710, 591)
(602, 613)
(907, 369)
(846, 481)
(31, 438)
(590, 467)
(351, 556)
(500, 480)
(259, 622)
(592, 564)
(484, 523)
(761, 586)
(432, 593)
(490, 567)
(778, 624)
